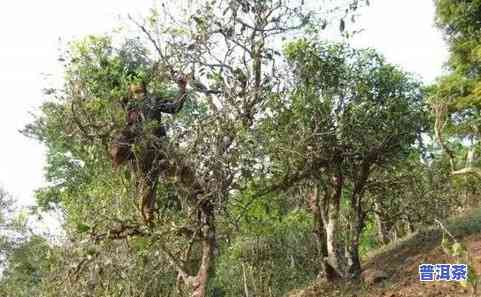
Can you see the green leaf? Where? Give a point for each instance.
(82, 228)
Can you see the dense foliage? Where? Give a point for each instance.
(456, 96)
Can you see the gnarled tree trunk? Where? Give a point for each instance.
(381, 224)
(334, 257)
(197, 285)
(355, 261)
(320, 232)
(358, 221)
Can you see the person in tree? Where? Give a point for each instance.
(146, 160)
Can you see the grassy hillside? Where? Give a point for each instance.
(401, 259)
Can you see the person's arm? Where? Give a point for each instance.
(176, 106)
(172, 107)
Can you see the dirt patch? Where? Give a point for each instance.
(401, 263)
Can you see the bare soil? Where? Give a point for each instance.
(401, 263)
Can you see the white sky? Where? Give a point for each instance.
(29, 30)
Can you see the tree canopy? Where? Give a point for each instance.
(456, 97)
(279, 157)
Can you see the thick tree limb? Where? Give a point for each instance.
(468, 171)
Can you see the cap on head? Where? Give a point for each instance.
(136, 89)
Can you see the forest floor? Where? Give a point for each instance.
(400, 261)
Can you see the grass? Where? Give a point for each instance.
(460, 226)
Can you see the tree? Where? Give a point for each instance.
(227, 48)
(456, 96)
(410, 194)
(28, 264)
(13, 226)
(348, 115)
(5, 224)
(23, 255)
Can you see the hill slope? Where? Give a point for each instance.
(401, 259)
